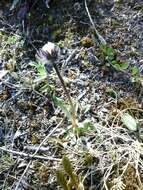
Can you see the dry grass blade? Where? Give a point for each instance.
(100, 38)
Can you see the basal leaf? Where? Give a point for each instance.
(61, 179)
(64, 107)
(124, 65)
(67, 165)
(129, 121)
(134, 70)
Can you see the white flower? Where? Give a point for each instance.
(49, 48)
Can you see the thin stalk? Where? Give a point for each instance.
(67, 94)
(100, 38)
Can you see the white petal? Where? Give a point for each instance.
(49, 47)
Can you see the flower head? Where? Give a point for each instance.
(48, 54)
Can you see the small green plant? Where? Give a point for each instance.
(41, 71)
(61, 179)
(110, 57)
(135, 74)
(49, 55)
(40, 81)
(84, 127)
(63, 106)
(67, 178)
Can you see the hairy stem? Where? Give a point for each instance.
(67, 94)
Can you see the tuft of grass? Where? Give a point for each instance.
(6, 161)
(68, 179)
(110, 58)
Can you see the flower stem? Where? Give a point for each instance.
(73, 113)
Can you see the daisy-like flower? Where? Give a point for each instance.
(48, 55)
(49, 51)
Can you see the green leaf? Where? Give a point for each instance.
(40, 68)
(64, 107)
(12, 40)
(84, 126)
(69, 170)
(117, 66)
(120, 66)
(88, 125)
(114, 62)
(67, 165)
(110, 52)
(44, 88)
(137, 79)
(124, 65)
(61, 179)
(111, 92)
(129, 121)
(41, 71)
(134, 70)
(133, 79)
(104, 47)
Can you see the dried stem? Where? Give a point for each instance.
(22, 154)
(100, 38)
